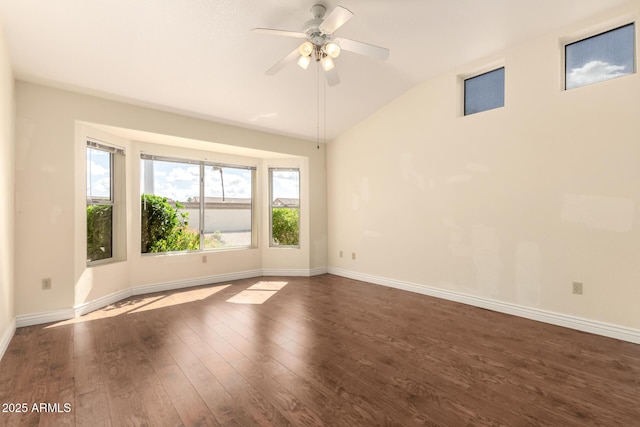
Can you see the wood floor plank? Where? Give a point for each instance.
(288, 404)
(92, 408)
(323, 350)
(187, 355)
(29, 386)
(59, 395)
(190, 406)
(256, 404)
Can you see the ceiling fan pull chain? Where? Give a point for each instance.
(324, 114)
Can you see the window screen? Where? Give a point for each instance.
(601, 57)
(484, 92)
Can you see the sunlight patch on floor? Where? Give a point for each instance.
(268, 286)
(258, 293)
(144, 303)
(179, 298)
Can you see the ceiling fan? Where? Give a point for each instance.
(320, 43)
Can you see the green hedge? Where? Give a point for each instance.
(285, 226)
(99, 232)
(164, 228)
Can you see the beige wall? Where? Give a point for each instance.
(512, 204)
(50, 193)
(7, 144)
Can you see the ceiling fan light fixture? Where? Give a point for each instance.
(332, 49)
(306, 49)
(327, 63)
(304, 61)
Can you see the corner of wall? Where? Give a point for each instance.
(7, 192)
(6, 336)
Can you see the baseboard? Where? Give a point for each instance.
(88, 307)
(44, 317)
(318, 271)
(300, 272)
(6, 337)
(586, 325)
(198, 281)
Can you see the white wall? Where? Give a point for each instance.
(223, 220)
(50, 191)
(512, 204)
(7, 195)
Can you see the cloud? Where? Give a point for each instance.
(237, 183)
(236, 186)
(189, 174)
(99, 187)
(286, 184)
(99, 184)
(593, 72)
(181, 182)
(97, 169)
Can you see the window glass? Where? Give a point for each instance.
(99, 204)
(227, 206)
(285, 207)
(168, 224)
(601, 57)
(195, 205)
(484, 92)
(98, 174)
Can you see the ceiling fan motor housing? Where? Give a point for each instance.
(314, 35)
(318, 11)
(312, 27)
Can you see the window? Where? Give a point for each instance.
(601, 57)
(227, 206)
(484, 92)
(105, 224)
(194, 205)
(285, 207)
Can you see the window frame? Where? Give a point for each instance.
(202, 202)
(593, 33)
(116, 201)
(485, 72)
(272, 244)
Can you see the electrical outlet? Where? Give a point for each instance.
(204, 259)
(353, 255)
(577, 288)
(46, 284)
(340, 254)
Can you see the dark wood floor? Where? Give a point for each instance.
(321, 351)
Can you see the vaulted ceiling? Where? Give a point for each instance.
(200, 58)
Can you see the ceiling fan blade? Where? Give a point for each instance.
(290, 58)
(274, 32)
(336, 19)
(332, 77)
(363, 48)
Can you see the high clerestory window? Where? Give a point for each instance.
(190, 205)
(484, 92)
(600, 57)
